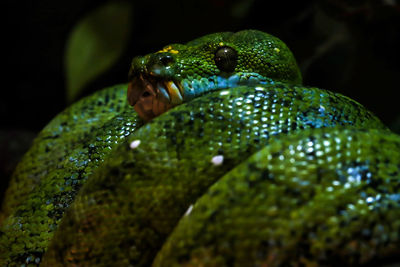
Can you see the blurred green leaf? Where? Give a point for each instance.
(95, 44)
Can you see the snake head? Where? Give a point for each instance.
(154, 86)
(181, 72)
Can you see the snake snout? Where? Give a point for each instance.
(138, 90)
(151, 97)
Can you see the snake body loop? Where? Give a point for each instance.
(227, 161)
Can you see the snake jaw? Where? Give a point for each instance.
(152, 96)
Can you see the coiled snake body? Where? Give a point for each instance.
(227, 160)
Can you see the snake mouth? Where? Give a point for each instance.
(152, 96)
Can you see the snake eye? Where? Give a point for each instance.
(226, 59)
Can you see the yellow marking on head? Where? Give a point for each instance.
(168, 49)
(165, 49)
(221, 44)
(277, 50)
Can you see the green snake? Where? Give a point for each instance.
(225, 160)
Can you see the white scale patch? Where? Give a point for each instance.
(189, 210)
(134, 144)
(217, 160)
(224, 92)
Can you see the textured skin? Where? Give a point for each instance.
(62, 135)
(322, 190)
(60, 160)
(322, 197)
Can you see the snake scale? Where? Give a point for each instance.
(226, 159)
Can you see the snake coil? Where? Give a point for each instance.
(225, 160)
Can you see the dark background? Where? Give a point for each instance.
(351, 47)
